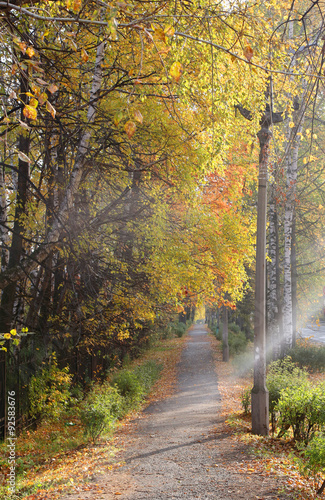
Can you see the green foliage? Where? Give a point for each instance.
(108, 402)
(100, 410)
(49, 391)
(302, 408)
(314, 458)
(309, 355)
(236, 340)
(147, 374)
(234, 329)
(246, 401)
(177, 328)
(283, 374)
(128, 385)
(314, 454)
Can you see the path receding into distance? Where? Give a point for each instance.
(176, 453)
(177, 450)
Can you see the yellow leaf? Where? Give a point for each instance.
(30, 52)
(159, 34)
(248, 52)
(22, 46)
(117, 118)
(52, 88)
(33, 102)
(50, 109)
(84, 55)
(13, 331)
(169, 31)
(138, 116)
(130, 128)
(41, 82)
(76, 5)
(320, 207)
(176, 71)
(164, 51)
(291, 124)
(30, 112)
(7, 336)
(42, 98)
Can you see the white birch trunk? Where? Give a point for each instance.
(291, 181)
(274, 337)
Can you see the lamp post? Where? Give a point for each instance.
(260, 395)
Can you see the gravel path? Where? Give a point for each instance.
(178, 448)
(177, 452)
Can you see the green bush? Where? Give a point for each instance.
(309, 355)
(147, 374)
(49, 391)
(303, 409)
(100, 410)
(246, 401)
(177, 328)
(283, 374)
(234, 328)
(128, 386)
(108, 402)
(314, 455)
(237, 342)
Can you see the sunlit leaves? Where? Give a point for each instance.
(52, 88)
(176, 71)
(30, 112)
(30, 52)
(76, 5)
(130, 128)
(248, 53)
(50, 109)
(138, 116)
(23, 157)
(84, 55)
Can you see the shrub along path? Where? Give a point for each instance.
(180, 449)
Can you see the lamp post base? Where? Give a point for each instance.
(260, 412)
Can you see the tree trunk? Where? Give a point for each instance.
(225, 345)
(4, 236)
(273, 330)
(16, 248)
(294, 279)
(291, 181)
